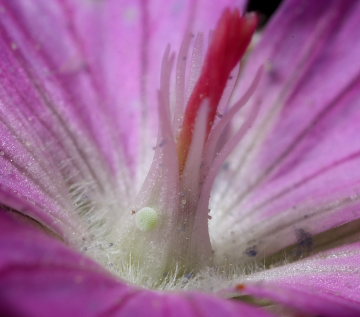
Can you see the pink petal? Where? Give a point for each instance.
(158, 304)
(327, 284)
(46, 123)
(314, 140)
(40, 276)
(305, 174)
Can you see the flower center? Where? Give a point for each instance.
(167, 229)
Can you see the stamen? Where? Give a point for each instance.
(230, 40)
(197, 59)
(180, 78)
(218, 129)
(213, 161)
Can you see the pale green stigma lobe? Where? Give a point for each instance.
(146, 219)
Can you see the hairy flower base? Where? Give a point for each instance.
(218, 276)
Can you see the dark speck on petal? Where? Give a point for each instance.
(304, 241)
(251, 251)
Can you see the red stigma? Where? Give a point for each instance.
(229, 43)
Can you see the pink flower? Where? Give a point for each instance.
(145, 170)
